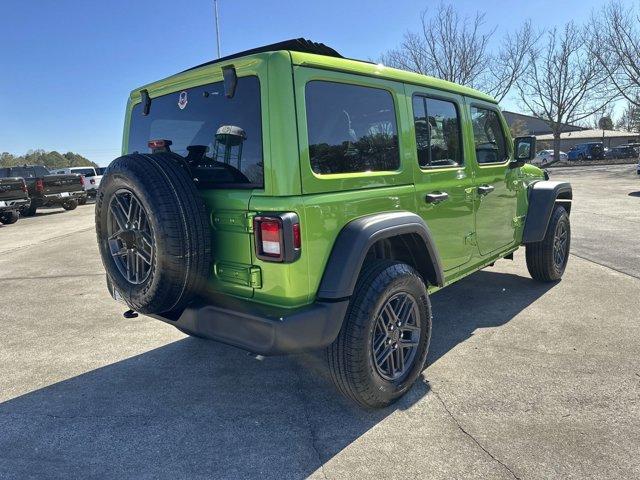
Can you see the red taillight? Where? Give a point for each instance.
(297, 239)
(271, 238)
(39, 186)
(278, 237)
(24, 187)
(82, 180)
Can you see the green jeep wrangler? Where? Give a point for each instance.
(286, 199)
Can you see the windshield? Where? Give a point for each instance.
(222, 136)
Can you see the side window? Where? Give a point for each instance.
(437, 128)
(490, 142)
(351, 128)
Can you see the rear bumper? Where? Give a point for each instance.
(58, 199)
(7, 205)
(261, 329)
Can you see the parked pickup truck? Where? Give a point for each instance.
(91, 178)
(47, 190)
(13, 196)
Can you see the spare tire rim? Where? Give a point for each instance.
(130, 236)
(396, 336)
(560, 245)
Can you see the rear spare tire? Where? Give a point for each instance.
(153, 232)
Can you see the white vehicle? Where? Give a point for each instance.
(546, 156)
(91, 179)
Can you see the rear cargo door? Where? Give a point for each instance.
(221, 139)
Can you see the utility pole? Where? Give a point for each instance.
(215, 7)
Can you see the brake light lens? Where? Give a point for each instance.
(39, 185)
(81, 179)
(270, 236)
(278, 237)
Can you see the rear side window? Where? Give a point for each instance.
(437, 132)
(230, 157)
(351, 128)
(490, 142)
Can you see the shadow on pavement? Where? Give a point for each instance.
(195, 408)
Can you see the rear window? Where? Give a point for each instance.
(87, 172)
(24, 172)
(351, 128)
(192, 120)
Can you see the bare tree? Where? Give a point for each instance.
(615, 43)
(630, 118)
(563, 83)
(456, 49)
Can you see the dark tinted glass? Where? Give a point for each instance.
(87, 172)
(351, 128)
(191, 118)
(28, 172)
(491, 146)
(437, 132)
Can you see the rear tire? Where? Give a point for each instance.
(355, 358)
(82, 201)
(547, 259)
(171, 234)
(8, 218)
(70, 205)
(29, 211)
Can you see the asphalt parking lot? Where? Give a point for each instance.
(524, 380)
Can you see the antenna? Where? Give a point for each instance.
(215, 8)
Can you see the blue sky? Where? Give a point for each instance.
(67, 66)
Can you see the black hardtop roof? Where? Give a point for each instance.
(295, 45)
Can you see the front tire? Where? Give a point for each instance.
(547, 259)
(382, 346)
(8, 218)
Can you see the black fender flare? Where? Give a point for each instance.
(543, 196)
(355, 239)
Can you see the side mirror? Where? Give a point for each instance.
(524, 150)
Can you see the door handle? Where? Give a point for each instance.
(486, 189)
(436, 197)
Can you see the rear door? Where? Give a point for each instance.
(496, 184)
(221, 138)
(444, 176)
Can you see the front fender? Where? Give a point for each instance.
(543, 196)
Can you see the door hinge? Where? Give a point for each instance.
(470, 239)
(248, 276)
(518, 221)
(249, 221)
(255, 277)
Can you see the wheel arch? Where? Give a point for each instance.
(395, 235)
(543, 197)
